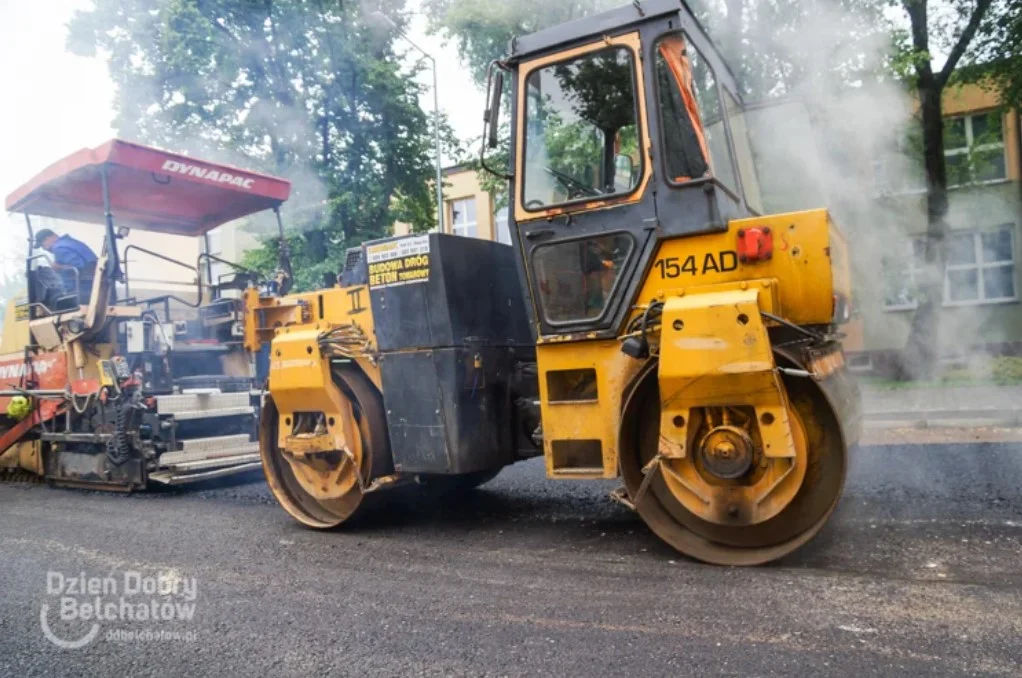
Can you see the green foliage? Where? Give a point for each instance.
(995, 60)
(314, 254)
(483, 29)
(309, 89)
(1007, 370)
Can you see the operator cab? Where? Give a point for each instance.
(627, 128)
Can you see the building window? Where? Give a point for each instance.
(501, 229)
(974, 149)
(980, 267)
(980, 270)
(898, 168)
(463, 217)
(900, 272)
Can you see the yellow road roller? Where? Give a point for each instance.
(648, 322)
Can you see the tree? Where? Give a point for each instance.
(997, 54)
(483, 29)
(953, 27)
(790, 47)
(310, 89)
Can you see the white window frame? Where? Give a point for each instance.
(980, 266)
(911, 271)
(971, 147)
(469, 229)
(502, 218)
(883, 163)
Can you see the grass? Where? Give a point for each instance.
(885, 384)
(1001, 371)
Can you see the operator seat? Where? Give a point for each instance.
(48, 289)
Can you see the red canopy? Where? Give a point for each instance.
(150, 190)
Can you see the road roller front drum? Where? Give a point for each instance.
(686, 501)
(326, 490)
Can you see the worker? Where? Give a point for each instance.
(70, 255)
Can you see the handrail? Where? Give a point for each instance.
(238, 268)
(167, 297)
(198, 277)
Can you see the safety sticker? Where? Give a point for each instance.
(398, 262)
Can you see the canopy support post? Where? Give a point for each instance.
(285, 256)
(28, 267)
(112, 272)
(209, 262)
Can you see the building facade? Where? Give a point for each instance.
(468, 209)
(981, 311)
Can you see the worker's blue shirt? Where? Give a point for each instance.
(67, 251)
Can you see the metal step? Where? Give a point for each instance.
(203, 464)
(202, 449)
(216, 443)
(172, 478)
(204, 405)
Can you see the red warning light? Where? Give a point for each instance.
(755, 244)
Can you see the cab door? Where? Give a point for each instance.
(583, 206)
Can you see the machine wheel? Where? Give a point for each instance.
(374, 453)
(817, 428)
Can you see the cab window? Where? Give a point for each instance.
(581, 136)
(694, 136)
(576, 278)
(743, 152)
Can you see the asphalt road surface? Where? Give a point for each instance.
(917, 574)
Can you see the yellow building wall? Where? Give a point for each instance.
(459, 184)
(972, 207)
(462, 184)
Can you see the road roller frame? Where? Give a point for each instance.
(647, 322)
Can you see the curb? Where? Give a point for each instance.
(944, 419)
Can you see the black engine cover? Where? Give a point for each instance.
(451, 325)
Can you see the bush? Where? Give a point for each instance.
(1007, 370)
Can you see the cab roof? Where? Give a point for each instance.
(609, 22)
(150, 190)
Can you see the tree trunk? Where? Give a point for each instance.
(922, 350)
(919, 357)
